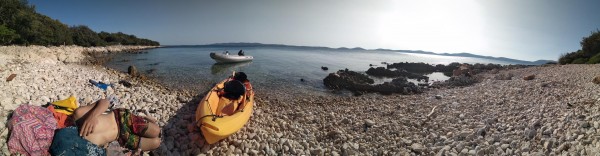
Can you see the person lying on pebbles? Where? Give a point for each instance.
(95, 130)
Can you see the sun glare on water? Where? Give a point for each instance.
(439, 26)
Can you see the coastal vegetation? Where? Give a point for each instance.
(20, 24)
(588, 54)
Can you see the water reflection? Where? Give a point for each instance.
(220, 68)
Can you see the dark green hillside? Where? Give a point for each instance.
(20, 24)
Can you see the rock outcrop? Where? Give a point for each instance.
(383, 72)
(360, 83)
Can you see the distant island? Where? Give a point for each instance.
(261, 45)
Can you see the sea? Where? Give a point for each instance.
(283, 69)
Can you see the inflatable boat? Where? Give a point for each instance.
(227, 58)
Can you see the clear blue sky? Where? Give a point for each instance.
(521, 29)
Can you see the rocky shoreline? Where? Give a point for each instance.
(554, 113)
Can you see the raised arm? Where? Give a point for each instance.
(87, 116)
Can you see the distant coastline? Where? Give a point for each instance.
(261, 45)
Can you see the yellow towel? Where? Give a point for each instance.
(66, 106)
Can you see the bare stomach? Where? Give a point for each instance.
(105, 131)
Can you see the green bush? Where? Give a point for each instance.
(580, 61)
(595, 59)
(7, 35)
(570, 57)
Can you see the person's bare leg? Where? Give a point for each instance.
(147, 144)
(153, 131)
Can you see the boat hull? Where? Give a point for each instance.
(223, 58)
(214, 128)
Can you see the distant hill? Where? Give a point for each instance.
(261, 45)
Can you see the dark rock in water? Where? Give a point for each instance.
(360, 83)
(125, 83)
(154, 64)
(344, 79)
(530, 77)
(132, 71)
(324, 68)
(415, 67)
(11, 77)
(596, 80)
(371, 65)
(125, 60)
(381, 71)
(302, 80)
(150, 71)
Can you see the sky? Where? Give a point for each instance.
(520, 29)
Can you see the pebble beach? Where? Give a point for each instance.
(555, 113)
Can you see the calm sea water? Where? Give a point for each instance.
(191, 68)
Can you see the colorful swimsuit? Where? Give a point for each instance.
(131, 127)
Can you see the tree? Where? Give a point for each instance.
(84, 36)
(7, 35)
(22, 25)
(591, 45)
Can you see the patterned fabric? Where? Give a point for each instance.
(32, 129)
(67, 142)
(130, 128)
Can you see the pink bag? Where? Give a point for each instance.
(32, 129)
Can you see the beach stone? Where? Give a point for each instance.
(418, 147)
(596, 80)
(584, 124)
(481, 132)
(182, 99)
(45, 98)
(548, 145)
(525, 147)
(316, 151)
(132, 70)
(504, 146)
(472, 152)
(369, 122)
(5, 150)
(529, 133)
(11, 77)
(346, 121)
(536, 124)
(438, 97)
(334, 133)
(563, 147)
(529, 77)
(254, 152)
